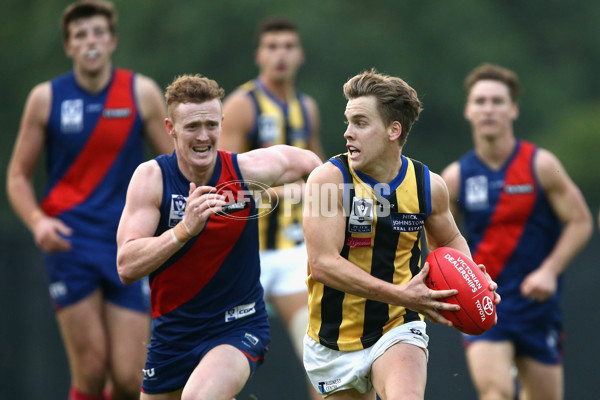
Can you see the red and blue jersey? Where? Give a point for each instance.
(212, 283)
(510, 227)
(94, 143)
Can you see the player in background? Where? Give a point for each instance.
(365, 213)
(91, 122)
(525, 220)
(190, 222)
(263, 112)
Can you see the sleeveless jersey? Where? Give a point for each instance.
(511, 227)
(383, 237)
(212, 283)
(278, 123)
(94, 143)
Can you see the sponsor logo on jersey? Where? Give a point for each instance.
(407, 222)
(235, 207)
(116, 112)
(519, 189)
(358, 242)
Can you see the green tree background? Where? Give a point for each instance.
(553, 45)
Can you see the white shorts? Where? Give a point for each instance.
(330, 371)
(283, 271)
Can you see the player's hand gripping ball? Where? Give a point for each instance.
(451, 269)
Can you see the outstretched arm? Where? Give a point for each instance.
(277, 165)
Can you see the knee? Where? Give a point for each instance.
(89, 371)
(127, 386)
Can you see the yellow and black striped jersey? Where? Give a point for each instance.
(384, 225)
(278, 123)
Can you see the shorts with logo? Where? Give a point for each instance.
(331, 371)
(541, 341)
(75, 274)
(284, 271)
(168, 368)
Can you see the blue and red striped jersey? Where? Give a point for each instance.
(510, 225)
(213, 281)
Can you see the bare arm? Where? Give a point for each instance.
(570, 207)
(277, 165)
(451, 175)
(238, 113)
(324, 227)
(140, 252)
(314, 141)
(153, 112)
(30, 142)
(440, 227)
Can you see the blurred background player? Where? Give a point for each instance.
(189, 223)
(91, 122)
(525, 220)
(263, 112)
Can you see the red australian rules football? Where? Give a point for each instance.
(452, 269)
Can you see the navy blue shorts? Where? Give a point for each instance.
(75, 274)
(168, 368)
(542, 342)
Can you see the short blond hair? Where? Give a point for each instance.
(396, 99)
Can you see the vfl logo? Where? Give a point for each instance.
(476, 192)
(71, 116)
(361, 216)
(268, 128)
(178, 204)
(362, 209)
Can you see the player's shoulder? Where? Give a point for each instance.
(148, 171)
(327, 172)
(451, 174)
(144, 84)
